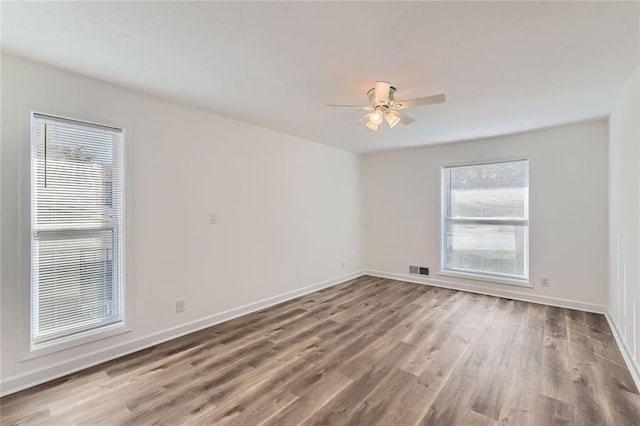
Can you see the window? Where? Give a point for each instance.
(77, 228)
(485, 219)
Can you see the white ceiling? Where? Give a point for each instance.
(505, 67)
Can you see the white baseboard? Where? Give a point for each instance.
(18, 383)
(510, 294)
(632, 364)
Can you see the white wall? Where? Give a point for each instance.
(568, 211)
(289, 212)
(624, 217)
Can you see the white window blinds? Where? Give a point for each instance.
(77, 228)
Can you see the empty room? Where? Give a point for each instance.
(320, 213)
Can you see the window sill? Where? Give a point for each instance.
(77, 340)
(487, 278)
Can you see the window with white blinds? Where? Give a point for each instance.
(485, 219)
(77, 228)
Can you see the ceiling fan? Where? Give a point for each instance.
(383, 106)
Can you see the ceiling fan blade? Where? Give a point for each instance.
(361, 120)
(381, 90)
(404, 118)
(364, 108)
(427, 100)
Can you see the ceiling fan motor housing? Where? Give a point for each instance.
(374, 102)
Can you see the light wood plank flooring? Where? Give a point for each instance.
(369, 351)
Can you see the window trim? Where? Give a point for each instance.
(27, 350)
(495, 278)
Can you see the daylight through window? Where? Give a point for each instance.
(485, 219)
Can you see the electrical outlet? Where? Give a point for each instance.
(213, 218)
(343, 264)
(544, 281)
(180, 305)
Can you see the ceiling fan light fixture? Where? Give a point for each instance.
(376, 117)
(392, 118)
(372, 126)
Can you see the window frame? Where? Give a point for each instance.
(492, 277)
(28, 350)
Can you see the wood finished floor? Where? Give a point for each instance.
(369, 351)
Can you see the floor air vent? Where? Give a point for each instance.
(418, 270)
